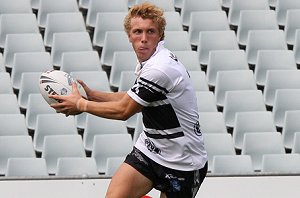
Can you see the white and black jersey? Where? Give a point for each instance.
(171, 135)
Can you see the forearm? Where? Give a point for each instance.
(98, 96)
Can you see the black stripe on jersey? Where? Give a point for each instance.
(160, 117)
(150, 96)
(154, 84)
(168, 136)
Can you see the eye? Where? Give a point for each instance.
(137, 31)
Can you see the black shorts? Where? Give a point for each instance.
(174, 183)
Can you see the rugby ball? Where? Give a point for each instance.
(56, 82)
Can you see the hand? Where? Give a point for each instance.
(67, 103)
(89, 92)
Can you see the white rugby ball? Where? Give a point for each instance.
(56, 82)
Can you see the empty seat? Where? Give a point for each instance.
(80, 61)
(54, 6)
(2, 67)
(291, 125)
(189, 59)
(190, 6)
(104, 24)
(232, 164)
(206, 101)
(97, 125)
(14, 146)
(296, 48)
(212, 122)
(17, 23)
(97, 6)
(264, 40)
(26, 42)
(9, 104)
(15, 6)
(215, 40)
(166, 5)
(231, 80)
(255, 20)
(241, 101)
(280, 79)
(223, 60)
(58, 146)
(217, 144)
(199, 81)
(76, 166)
(237, 6)
(292, 24)
(112, 165)
(36, 105)
(62, 22)
(177, 40)
(104, 146)
(296, 143)
(29, 62)
(281, 163)
(69, 42)
(12, 124)
(35, 4)
(282, 7)
(248, 122)
(285, 100)
(272, 60)
(258, 144)
(52, 124)
(5, 82)
(206, 21)
(173, 21)
(26, 167)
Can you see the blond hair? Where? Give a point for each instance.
(146, 11)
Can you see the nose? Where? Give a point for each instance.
(144, 37)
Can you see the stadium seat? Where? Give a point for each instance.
(12, 124)
(177, 40)
(166, 5)
(282, 7)
(17, 23)
(54, 6)
(112, 165)
(29, 62)
(285, 100)
(26, 167)
(248, 122)
(280, 79)
(104, 24)
(231, 80)
(122, 61)
(15, 6)
(110, 145)
(255, 20)
(292, 24)
(36, 105)
(296, 48)
(217, 144)
(206, 21)
(9, 104)
(96, 80)
(12, 147)
(173, 21)
(260, 143)
(190, 6)
(212, 122)
(237, 6)
(272, 60)
(52, 124)
(264, 40)
(2, 67)
(232, 164)
(69, 42)
(215, 40)
(138, 128)
(98, 6)
(206, 101)
(29, 84)
(76, 166)
(296, 143)
(241, 101)
(59, 146)
(290, 126)
(97, 126)
(62, 22)
(35, 4)
(5, 82)
(189, 59)
(199, 81)
(281, 163)
(272, 4)
(80, 61)
(26, 42)
(223, 60)
(114, 41)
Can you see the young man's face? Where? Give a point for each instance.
(144, 36)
